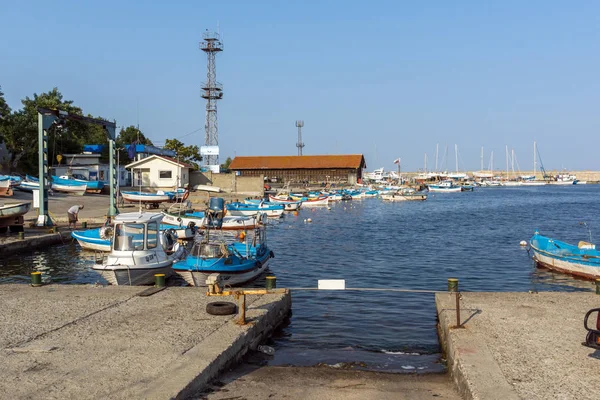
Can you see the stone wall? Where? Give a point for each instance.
(229, 183)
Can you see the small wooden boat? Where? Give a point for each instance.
(198, 219)
(207, 188)
(91, 186)
(404, 195)
(318, 202)
(249, 210)
(138, 251)
(582, 260)
(235, 263)
(70, 189)
(144, 197)
(27, 186)
(444, 187)
(11, 210)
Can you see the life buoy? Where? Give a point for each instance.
(185, 195)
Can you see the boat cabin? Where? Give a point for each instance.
(136, 231)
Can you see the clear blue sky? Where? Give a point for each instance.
(386, 79)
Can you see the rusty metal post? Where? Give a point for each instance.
(457, 294)
(241, 300)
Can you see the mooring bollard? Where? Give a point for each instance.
(597, 286)
(452, 285)
(159, 280)
(271, 282)
(36, 279)
(21, 235)
(241, 298)
(453, 288)
(84, 225)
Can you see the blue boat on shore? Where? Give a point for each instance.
(581, 260)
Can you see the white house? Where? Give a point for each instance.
(159, 172)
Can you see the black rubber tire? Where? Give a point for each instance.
(221, 308)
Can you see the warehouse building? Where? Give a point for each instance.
(302, 169)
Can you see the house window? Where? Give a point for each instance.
(165, 174)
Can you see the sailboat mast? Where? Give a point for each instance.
(506, 161)
(481, 169)
(534, 159)
(492, 163)
(456, 156)
(512, 161)
(425, 162)
(437, 145)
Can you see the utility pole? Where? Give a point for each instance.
(299, 145)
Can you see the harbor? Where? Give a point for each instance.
(299, 201)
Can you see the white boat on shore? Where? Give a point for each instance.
(12, 210)
(207, 188)
(143, 197)
(78, 190)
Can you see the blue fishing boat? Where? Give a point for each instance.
(31, 178)
(235, 263)
(444, 187)
(248, 210)
(581, 260)
(27, 186)
(78, 179)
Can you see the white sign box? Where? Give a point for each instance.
(332, 284)
(209, 150)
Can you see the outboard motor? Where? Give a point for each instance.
(215, 212)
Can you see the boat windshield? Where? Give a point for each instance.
(152, 236)
(129, 237)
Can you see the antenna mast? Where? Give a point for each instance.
(211, 91)
(299, 145)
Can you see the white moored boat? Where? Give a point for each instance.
(70, 189)
(404, 195)
(138, 251)
(321, 201)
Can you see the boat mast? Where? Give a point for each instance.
(506, 161)
(425, 162)
(492, 163)
(534, 159)
(481, 158)
(437, 145)
(512, 161)
(456, 156)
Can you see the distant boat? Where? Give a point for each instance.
(404, 195)
(582, 260)
(444, 187)
(248, 210)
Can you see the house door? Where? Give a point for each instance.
(142, 177)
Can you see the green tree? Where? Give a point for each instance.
(20, 131)
(4, 108)
(127, 137)
(188, 154)
(225, 165)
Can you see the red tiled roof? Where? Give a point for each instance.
(352, 161)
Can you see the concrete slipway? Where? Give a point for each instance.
(78, 342)
(520, 345)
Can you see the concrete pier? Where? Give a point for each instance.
(520, 345)
(72, 341)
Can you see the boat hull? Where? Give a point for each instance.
(116, 275)
(144, 198)
(76, 190)
(198, 278)
(14, 210)
(563, 260)
(444, 190)
(414, 197)
(5, 187)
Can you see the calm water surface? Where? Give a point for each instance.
(417, 245)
